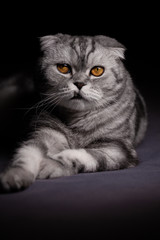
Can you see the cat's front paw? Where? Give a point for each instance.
(15, 179)
(76, 160)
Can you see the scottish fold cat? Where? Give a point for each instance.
(92, 116)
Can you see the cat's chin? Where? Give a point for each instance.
(77, 104)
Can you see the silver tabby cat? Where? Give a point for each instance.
(93, 116)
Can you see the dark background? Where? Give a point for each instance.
(133, 25)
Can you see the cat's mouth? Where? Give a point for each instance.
(77, 96)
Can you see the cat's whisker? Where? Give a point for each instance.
(59, 93)
(48, 103)
(33, 107)
(56, 103)
(52, 101)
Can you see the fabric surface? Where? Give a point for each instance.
(114, 203)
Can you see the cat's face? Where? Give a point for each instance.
(81, 71)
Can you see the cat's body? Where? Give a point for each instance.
(93, 116)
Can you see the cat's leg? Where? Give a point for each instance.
(23, 168)
(98, 157)
(32, 158)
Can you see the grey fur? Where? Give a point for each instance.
(96, 131)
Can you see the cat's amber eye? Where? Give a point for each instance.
(64, 68)
(97, 71)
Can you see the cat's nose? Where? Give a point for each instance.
(79, 85)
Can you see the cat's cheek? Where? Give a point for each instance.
(72, 88)
(86, 92)
(91, 94)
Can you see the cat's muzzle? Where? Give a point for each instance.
(76, 96)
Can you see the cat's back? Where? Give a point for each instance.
(141, 120)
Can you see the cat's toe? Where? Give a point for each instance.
(15, 179)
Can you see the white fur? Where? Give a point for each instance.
(81, 155)
(91, 94)
(114, 155)
(117, 52)
(30, 157)
(53, 140)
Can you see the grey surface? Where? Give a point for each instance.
(114, 202)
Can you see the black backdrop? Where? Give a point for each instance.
(135, 26)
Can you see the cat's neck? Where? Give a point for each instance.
(69, 116)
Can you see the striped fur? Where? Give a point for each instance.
(96, 131)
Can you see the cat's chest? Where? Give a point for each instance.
(99, 125)
(84, 123)
(89, 128)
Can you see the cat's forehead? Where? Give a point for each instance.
(81, 50)
(83, 47)
(78, 50)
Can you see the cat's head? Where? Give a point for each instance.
(82, 72)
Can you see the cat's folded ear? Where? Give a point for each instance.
(117, 52)
(115, 48)
(49, 41)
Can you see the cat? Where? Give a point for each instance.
(92, 116)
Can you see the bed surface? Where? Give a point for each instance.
(113, 202)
